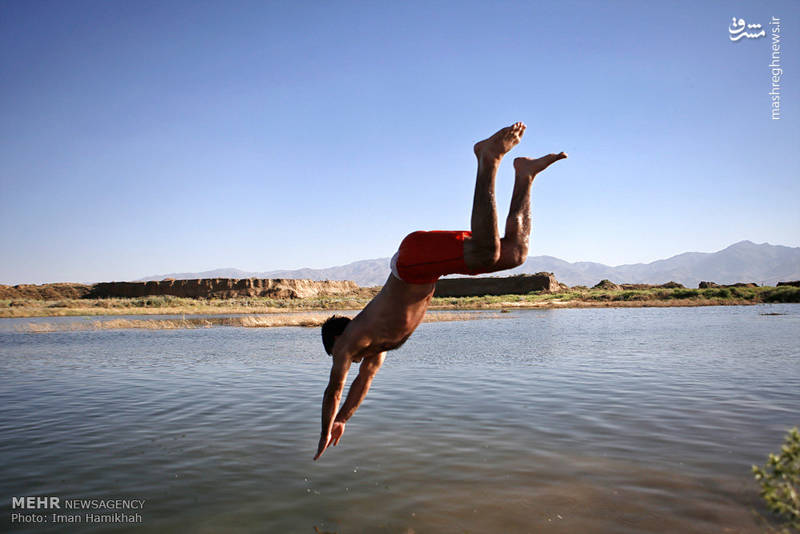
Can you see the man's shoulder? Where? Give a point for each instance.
(354, 339)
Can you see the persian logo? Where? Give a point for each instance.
(738, 27)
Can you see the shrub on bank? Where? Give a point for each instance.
(632, 295)
(779, 479)
(685, 293)
(718, 293)
(782, 294)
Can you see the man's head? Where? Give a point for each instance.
(332, 328)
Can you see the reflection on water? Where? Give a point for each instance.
(587, 420)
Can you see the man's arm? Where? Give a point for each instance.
(359, 387)
(331, 398)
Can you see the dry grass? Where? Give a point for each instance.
(82, 308)
(247, 321)
(575, 298)
(556, 303)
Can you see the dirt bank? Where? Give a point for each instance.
(508, 285)
(222, 288)
(45, 291)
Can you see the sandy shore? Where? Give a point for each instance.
(570, 298)
(285, 312)
(249, 321)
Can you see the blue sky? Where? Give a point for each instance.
(153, 137)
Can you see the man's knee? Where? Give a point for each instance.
(488, 255)
(518, 258)
(513, 255)
(481, 256)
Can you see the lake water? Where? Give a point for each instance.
(573, 420)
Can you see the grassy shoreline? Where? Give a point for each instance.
(309, 319)
(570, 298)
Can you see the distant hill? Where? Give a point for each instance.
(741, 262)
(744, 261)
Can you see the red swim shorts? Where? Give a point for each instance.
(423, 257)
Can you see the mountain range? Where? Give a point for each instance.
(744, 261)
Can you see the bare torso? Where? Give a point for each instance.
(389, 318)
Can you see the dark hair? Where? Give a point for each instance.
(333, 327)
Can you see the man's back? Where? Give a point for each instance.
(389, 318)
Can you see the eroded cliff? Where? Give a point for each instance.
(199, 288)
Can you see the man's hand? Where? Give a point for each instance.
(337, 431)
(324, 440)
(334, 437)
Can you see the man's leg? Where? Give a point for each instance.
(514, 246)
(482, 251)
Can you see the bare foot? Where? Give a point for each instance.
(528, 168)
(501, 142)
